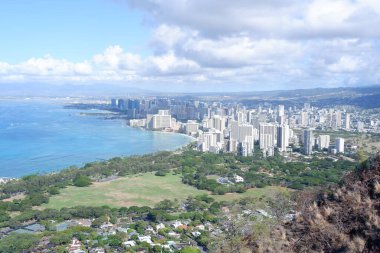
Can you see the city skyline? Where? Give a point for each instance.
(189, 126)
(187, 46)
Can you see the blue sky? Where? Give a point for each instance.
(71, 29)
(191, 45)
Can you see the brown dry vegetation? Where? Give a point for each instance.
(341, 219)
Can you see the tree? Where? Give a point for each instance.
(53, 190)
(18, 243)
(99, 221)
(362, 155)
(157, 249)
(115, 240)
(61, 238)
(167, 205)
(160, 173)
(82, 181)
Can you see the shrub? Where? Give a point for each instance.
(82, 181)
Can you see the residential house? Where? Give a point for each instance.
(129, 243)
(176, 224)
(160, 226)
(196, 233)
(238, 179)
(145, 238)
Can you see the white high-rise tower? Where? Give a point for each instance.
(339, 145)
(308, 142)
(282, 137)
(348, 119)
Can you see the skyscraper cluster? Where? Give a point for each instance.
(231, 127)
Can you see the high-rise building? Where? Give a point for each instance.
(208, 141)
(308, 141)
(133, 104)
(336, 120)
(232, 145)
(121, 104)
(281, 120)
(246, 146)
(339, 145)
(191, 127)
(161, 120)
(256, 135)
(266, 141)
(113, 103)
(323, 141)
(250, 115)
(282, 137)
(347, 121)
(267, 135)
(245, 130)
(234, 133)
(218, 122)
(304, 118)
(242, 117)
(281, 110)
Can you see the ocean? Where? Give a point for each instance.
(40, 135)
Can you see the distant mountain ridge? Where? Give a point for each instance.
(365, 97)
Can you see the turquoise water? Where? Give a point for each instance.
(38, 136)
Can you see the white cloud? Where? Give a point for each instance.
(115, 58)
(83, 68)
(269, 18)
(4, 67)
(44, 66)
(170, 64)
(239, 51)
(261, 44)
(166, 37)
(346, 64)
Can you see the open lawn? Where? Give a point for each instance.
(140, 190)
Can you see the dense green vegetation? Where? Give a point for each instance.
(170, 180)
(195, 168)
(259, 172)
(81, 181)
(17, 243)
(199, 209)
(189, 169)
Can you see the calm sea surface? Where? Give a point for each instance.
(39, 136)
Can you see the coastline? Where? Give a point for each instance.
(4, 180)
(165, 132)
(191, 138)
(32, 163)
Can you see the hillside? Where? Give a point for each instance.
(341, 219)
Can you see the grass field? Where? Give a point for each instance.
(140, 190)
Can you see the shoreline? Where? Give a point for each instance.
(56, 169)
(165, 132)
(4, 180)
(110, 112)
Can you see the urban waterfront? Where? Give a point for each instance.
(39, 135)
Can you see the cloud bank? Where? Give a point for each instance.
(234, 45)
